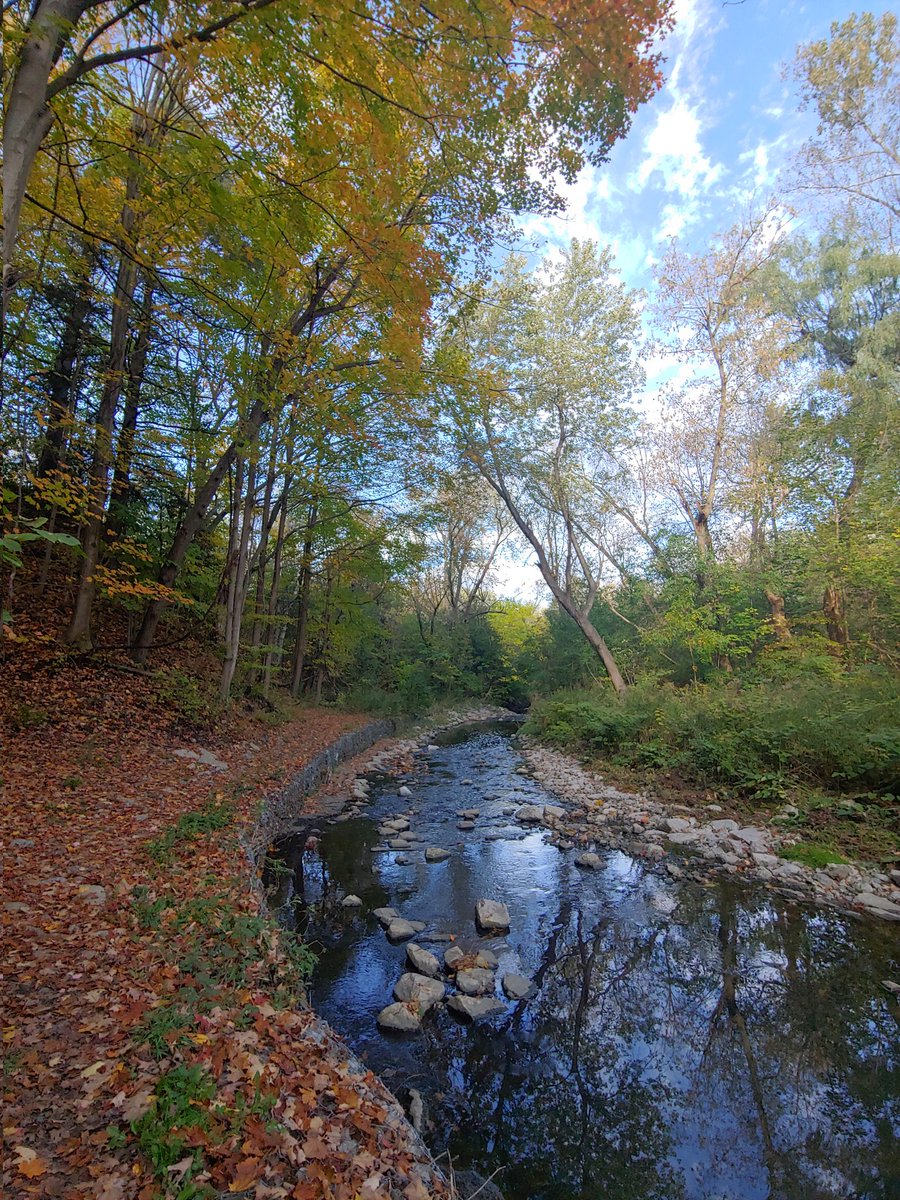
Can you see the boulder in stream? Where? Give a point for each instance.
(400, 1018)
(474, 1007)
(530, 813)
(422, 960)
(351, 902)
(475, 981)
(452, 957)
(517, 987)
(385, 915)
(400, 930)
(591, 862)
(492, 915)
(436, 854)
(414, 989)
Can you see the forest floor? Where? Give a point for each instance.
(155, 1041)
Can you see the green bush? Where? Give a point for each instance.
(839, 734)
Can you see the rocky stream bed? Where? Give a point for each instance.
(578, 992)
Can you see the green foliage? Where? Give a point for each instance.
(811, 854)
(176, 1113)
(213, 815)
(188, 695)
(757, 740)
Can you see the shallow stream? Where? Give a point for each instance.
(704, 1043)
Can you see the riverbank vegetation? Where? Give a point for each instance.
(279, 418)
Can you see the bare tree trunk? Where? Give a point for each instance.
(835, 615)
(61, 393)
(78, 631)
(121, 489)
(239, 586)
(303, 610)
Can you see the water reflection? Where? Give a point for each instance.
(686, 1042)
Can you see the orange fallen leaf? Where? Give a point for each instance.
(245, 1176)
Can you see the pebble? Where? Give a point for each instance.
(435, 854)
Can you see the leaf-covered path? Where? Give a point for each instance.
(152, 1039)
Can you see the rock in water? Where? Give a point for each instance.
(434, 854)
(492, 915)
(399, 930)
(418, 990)
(530, 812)
(517, 987)
(386, 915)
(404, 791)
(474, 1007)
(400, 1018)
(351, 902)
(591, 862)
(423, 960)
(475, 981)
(452, 957)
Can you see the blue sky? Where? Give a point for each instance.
(713, 139)
(709, 145)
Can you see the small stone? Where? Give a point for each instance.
(890, 986)
(715, 808)
(419, 990)
(23, 843)
(473, 1007)
(385, 915)
(678, 824)
(435, 854)
(351, 902)
(16, 906)
(588, 860)
(475, 981)
(492, 914)
(554, 811)
(675, 872)
(465, 825)
(485, 958)
(400, 930)
(404, 791)
(726, 826)
(92, 893)
(517, 987)
(422, 960)
(400, 1018)
(399, 844)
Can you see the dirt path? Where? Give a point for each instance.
(153, 1042)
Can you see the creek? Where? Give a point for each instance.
(685, 1042)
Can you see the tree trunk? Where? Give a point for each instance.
(121, 489)
(303, 610)
(239, 585)
(27, 118)
(835, 615)
(61, 394)
(779, 620)
(78, 631)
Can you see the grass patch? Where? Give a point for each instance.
(213, 815)
(811, 854)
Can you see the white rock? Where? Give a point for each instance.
(435, 854)
(492, 914)
(399, 930)
(517, 987)
(475, 981)
(386, 915)
(399, 1018)
(423, 961)
(474, 1007)
(412, 988)
(530, 812)
(404, 791)
(351, 902)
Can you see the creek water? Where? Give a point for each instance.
(686, 1041)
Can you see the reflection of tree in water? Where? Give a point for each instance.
(568, 1113)
(743, 1051)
